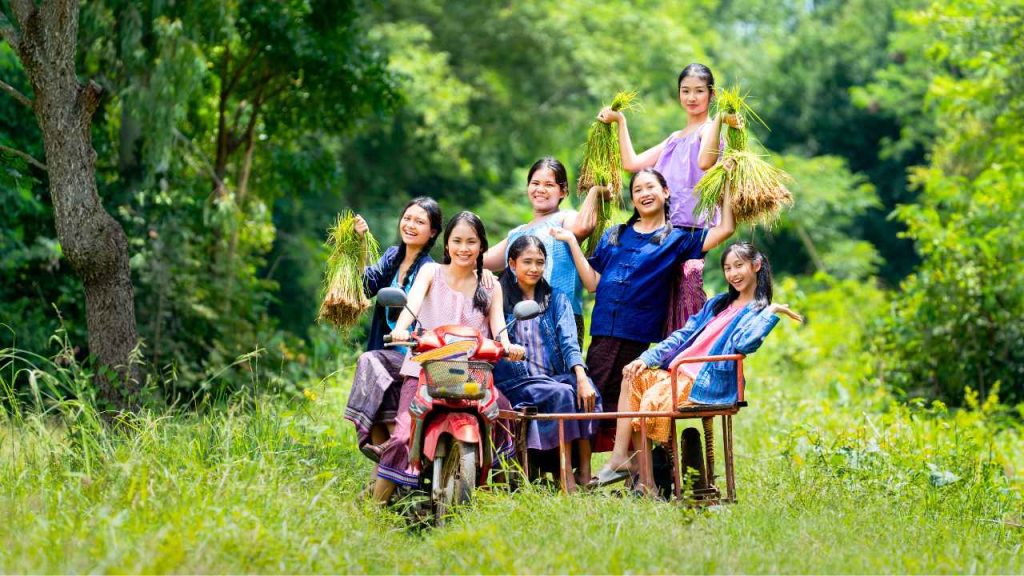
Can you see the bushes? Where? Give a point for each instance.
(959, 320)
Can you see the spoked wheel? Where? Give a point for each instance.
(457, 478)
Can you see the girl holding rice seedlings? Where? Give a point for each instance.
(553, 378)
(547, 184)
(734, 322)
(373, 401)
(449, 293)
(682, 158)
(630, 270)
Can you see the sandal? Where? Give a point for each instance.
(606, 476)
(373, 451)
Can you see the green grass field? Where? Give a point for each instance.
(833, 477)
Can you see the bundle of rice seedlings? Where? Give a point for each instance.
(343, 299)
(602, 166)
(758, 189)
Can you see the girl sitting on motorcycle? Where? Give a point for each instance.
(631, 271)
(734, 322)
(449, 293)
(553, 378)
(373, 401)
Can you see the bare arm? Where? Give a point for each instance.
(726, 227)
(588, 275)
(496, 320)
(711, 139)
(416, 295)
(631, 161)
(582, 223)
(494, 258)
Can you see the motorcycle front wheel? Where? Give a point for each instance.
(457, 479)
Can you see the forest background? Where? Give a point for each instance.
(230, 134)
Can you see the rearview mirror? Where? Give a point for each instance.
(391, 298)
(526, 310)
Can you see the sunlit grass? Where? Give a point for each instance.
(832, 475)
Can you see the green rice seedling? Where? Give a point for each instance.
(343, 299)
(758, 189)
(602, 166)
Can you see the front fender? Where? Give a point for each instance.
(461, 425)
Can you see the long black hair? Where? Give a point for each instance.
(763, 293)
(659, 237)
(556, 167)
(481, 301)
(433, 210)
(512, 294)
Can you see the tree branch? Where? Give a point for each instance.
(4, 150)
(16, 94)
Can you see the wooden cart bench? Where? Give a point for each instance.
(706, 412)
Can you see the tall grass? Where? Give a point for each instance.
(833, 476)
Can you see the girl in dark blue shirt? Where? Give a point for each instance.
(374, 397)
(631, 272)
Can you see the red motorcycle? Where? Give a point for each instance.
(455, 407)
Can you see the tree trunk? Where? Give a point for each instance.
(93, 242)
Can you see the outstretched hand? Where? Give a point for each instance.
(784, 310)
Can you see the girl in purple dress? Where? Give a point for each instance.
(682, 158)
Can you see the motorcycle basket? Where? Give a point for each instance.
(460, 379)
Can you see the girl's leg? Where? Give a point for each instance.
(382, 490)
(583, 455)
(623, 429)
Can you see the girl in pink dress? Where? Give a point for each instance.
(449, 293)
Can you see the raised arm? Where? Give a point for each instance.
(582, 223)
(587, 274)
(710, 139)
(726, 227)
(494, 258)
(631, 161)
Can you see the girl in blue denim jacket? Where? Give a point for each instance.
(553, 377)
(735, 322)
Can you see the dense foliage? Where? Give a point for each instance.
(232, 133)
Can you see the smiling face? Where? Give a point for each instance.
(544, 191)
(741, 274)
(648, 195)
(463, 246)
(528, 267)
(414, 227)
(694, 95)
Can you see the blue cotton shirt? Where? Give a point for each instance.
(636, 277)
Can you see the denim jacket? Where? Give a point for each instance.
(716, 381)
(375, 278)
(558, 330)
